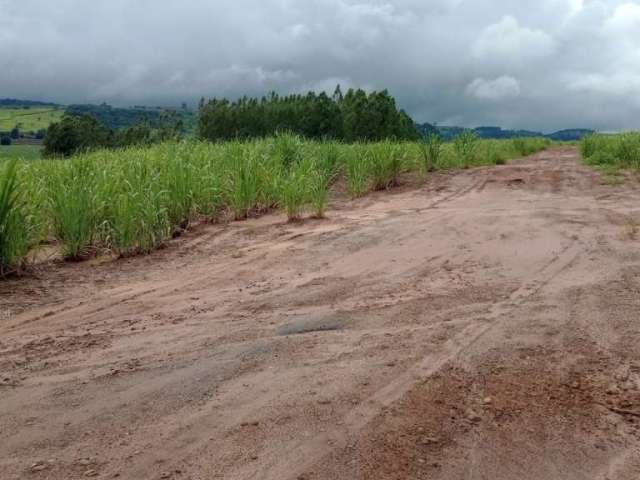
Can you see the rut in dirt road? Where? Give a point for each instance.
(484, 325)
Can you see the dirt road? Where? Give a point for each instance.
(483, 326)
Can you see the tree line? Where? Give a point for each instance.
(355, 116)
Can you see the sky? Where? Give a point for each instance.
(543, 65)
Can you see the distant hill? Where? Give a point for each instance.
(33, 116)
(29, 116)
(497, 132)
(426, 129)
(570, 135)
(14, 102)
(116, 118)
(449, 133)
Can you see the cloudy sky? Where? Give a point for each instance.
(547, 64)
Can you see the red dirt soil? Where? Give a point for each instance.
(485, 325)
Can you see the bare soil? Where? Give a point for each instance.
(484, 325)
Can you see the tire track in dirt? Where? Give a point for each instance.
(477, 185)
(307, 454)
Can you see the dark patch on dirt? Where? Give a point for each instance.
(311, 324)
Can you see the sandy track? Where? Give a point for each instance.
(485, 325)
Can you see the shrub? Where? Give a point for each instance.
(294, 191)
(75, 134)
(75, 206)
(603, 158)
(465, 146)
(243, 187)
(431, 149)
(137, 214)
(289, 149)
(520, 146)
(329, 159)
(357, 178)
(494, 155)
(590, 144)
(5, 140)
(385, 164)
(15, 238)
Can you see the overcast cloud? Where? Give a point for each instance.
(547, 64)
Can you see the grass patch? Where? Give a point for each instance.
(29, 119)
(15, 232)
(20, 152)
(621, 151)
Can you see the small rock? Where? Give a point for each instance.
(487, 401)
(254, 457)
(474, 417)
(90, 473)
(38, 467)
(613, 390)
(165, 475)
(623, 376)
(429, 440)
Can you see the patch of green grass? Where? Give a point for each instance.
(431, 149)
(612, 151)
(465, 146)
(15, 224)
(357, 171)
(295, 189)
(24, 152)
(29, 119)
(385, 161)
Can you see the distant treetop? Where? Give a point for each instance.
(354, 116)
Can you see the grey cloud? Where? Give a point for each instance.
(494, 90)
(543, 65)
